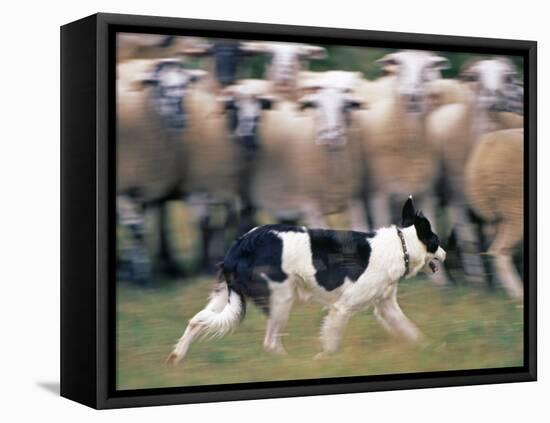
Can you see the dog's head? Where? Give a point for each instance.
(429, 240)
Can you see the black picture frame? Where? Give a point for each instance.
(88, 211)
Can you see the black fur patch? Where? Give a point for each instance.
(339, 254)
(252, 256)
(425, 234)
(422, 225)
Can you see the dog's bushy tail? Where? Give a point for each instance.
(220, 316)
(224, 311)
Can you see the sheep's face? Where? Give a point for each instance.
(285, 59)
(243, 109)
(170, 82)
(332, 108)
(414, 70)
(430, 251)
(494, 84)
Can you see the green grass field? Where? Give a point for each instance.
(468, 327)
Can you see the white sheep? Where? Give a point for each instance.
(399, 158)
(309, 159)
(453, 130)
(494, 189)
(150, 116)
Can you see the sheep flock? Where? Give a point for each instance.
(249, 132)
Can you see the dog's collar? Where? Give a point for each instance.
(406, 257)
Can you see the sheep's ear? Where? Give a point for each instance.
(313, 52)
(388, 63)
(196, 75)
(254, 47)
(468, 76)
(409, 214)
(440, 63)
(198, 51)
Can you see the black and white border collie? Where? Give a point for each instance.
(275, 265)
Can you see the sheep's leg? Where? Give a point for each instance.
(358, 216)
(468, 245)
(508, 235)
(381, 209)
(333, 330)
(168, 263)
(136, 256)
(280, 304)
(392, 318)
(428, 205)
(247, 218)
(313, 217)
(206, 235)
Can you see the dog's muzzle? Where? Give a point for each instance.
(439, 256)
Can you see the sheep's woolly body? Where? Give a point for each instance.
(148, 155)
(294, 174)
(210, 155)
(454, 129)
(400, 160)
(376, 90)
(494, 176)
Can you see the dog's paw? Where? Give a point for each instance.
(173, 359)
(321, 356)
(279, 350)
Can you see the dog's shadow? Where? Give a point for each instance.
(51, 387)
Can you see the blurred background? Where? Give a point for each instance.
(217, 136)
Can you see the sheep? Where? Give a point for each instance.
(217, 156)
(494, 189)
(453, 129)
(307, 165)
(400, 159)
(150, 117)
(213, 160)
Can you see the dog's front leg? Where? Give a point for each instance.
(392, 318)
(333, 329)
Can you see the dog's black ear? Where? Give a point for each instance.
(408, 215)
(422, 226)
(425, 234)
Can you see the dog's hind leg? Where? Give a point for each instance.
(192, 331)
(280, 304)
(333, 329)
